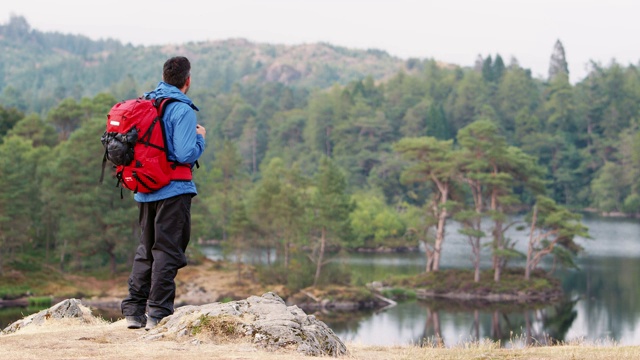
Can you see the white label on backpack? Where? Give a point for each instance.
(114, 123)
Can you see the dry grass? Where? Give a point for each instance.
(113, 341)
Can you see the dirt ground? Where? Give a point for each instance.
(104, 340)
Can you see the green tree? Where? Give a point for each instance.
(9, 117)
(13, 98)
(99, 105)
(359, 140)
(331, 206)
(437, 124)
(227, 183)
(18, 196)
(286, 139)
(96, 227)
(487, 69)
(552, 228)
(277, 207)
(498, 68)
(415, 120)
(516, 96)
(556, 148)
(127, 88)
(608, 188)
(432, 161)
(493, 171)
(234, 123)
(319, 130)
(66, 117)
(465, 102)
(33, 128)
(241, 233)
(558, 63)
(374, 223)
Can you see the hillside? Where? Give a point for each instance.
(46, 67)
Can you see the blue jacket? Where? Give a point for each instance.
(184, 145)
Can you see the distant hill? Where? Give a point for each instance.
(37, 69)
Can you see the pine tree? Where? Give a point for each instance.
(96, 226)
(487, 69)
(432, 162)
(19, 201)
(553, 230)
(331, 206)
(498, 68)
(558, 63)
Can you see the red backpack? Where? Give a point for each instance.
(134, 142)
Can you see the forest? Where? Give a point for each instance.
(317, 150)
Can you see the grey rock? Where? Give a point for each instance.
(66, 309)
(265, 321)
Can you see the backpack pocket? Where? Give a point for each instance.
(147, 177)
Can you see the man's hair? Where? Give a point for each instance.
(176, 71)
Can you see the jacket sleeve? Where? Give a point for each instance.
(187, 145)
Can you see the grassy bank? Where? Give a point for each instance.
(459, 283)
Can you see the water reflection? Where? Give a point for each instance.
(602, 301)
(447, 323)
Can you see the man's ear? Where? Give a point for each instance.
(187, 84)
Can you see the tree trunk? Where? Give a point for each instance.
(286, 254)
(442, 219)
(497, 271)
(441, 212)
(238, 264)
(495, 325)
(497, 236)
(113, 263)
(476, 260)
(428, 255)
(254, 146)
(476, 324)
(328, 141)
(323, 241)
(527, 267)
(528, 332)
(62, 254)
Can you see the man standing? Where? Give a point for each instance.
(165, 215)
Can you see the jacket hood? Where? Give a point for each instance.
(164, 90)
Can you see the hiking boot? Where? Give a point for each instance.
(136, 322)
(152, 322)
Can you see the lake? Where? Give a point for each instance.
(602, 297)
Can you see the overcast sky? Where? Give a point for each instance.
(454, 31)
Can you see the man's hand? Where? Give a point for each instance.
(201, 130)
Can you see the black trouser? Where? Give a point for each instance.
(166, 228)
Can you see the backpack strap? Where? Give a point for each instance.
(104, 163)
(182, 172)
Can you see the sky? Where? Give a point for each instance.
(452, 31)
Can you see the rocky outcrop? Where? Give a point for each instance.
(264, 321)
(68, 309)
(282, 73)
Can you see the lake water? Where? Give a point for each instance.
(602, 302)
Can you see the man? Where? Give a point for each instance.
(165, 215)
